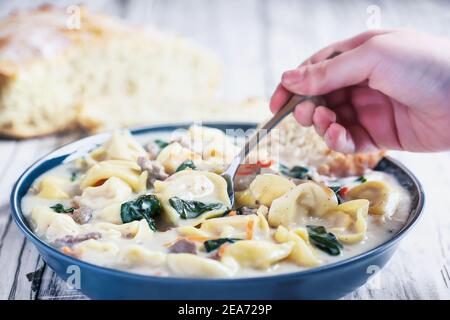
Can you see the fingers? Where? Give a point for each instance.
(282, 95)
(347, 69)
(375, 113)
(322, 119)
(336, 98)
(339, 139)
(350, 140)
(320, 75)
(343, 138)
(279, 98)
(344, 45)
(304, 112)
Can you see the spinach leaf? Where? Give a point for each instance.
(186, 164)
(59, 208)
(211, 245)
(143, 207)
(73, 176)
(325, 241)
(297, 172)
(161, 143)
(337, 190)
(361, 179)
(189, 209)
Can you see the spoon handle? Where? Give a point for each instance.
(262, 131)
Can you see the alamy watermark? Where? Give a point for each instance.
(373, 20)
(374, 280)
(73, 281)
(73, 21)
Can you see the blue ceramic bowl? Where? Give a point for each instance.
(330, 281)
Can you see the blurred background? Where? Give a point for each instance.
(257, 40)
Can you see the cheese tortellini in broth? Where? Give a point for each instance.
(163, 209)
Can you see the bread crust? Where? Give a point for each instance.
(38, 45)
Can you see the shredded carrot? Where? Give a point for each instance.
(232, 213)
(171, 243)
(250, 224)
(168, 244)
(67, 250)
(99, 182)
(221, 250)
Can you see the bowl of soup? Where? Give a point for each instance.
(145, 214)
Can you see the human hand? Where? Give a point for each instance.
(387, 89)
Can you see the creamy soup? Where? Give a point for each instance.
(161, 208)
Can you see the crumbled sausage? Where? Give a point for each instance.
(71, 240)
(246, 211)
(183, 246)
(82, 215)
(154, 168)
(153, 150)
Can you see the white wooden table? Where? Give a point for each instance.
(257, 41)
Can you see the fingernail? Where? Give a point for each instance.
(292, 76)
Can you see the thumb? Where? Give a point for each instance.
(346, 69)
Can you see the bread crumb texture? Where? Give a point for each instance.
(302, 146)
(50, 74)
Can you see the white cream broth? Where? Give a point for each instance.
(269, 236)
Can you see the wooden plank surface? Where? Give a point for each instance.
(257, 41)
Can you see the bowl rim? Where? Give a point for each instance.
(20, 219)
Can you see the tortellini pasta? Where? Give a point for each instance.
(208, 148)
(126, 170)
(53, 225)
(191, 231)
(294, 207)
(96, 251)
(114, 190)
(157, 213)
(383, 199)
(126, 230)
(143, 232)
(172, 156)
(213, 145)
(135, 255)
(263, 190)
(52, 187)
(243, 227)
(192, 266)
(257, 254)
(302, 252)
(350, 220)
(121, 146)
(110, 213)
(192, 185)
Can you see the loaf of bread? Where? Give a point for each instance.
(52, 68)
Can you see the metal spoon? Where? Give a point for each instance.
(260, 133)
